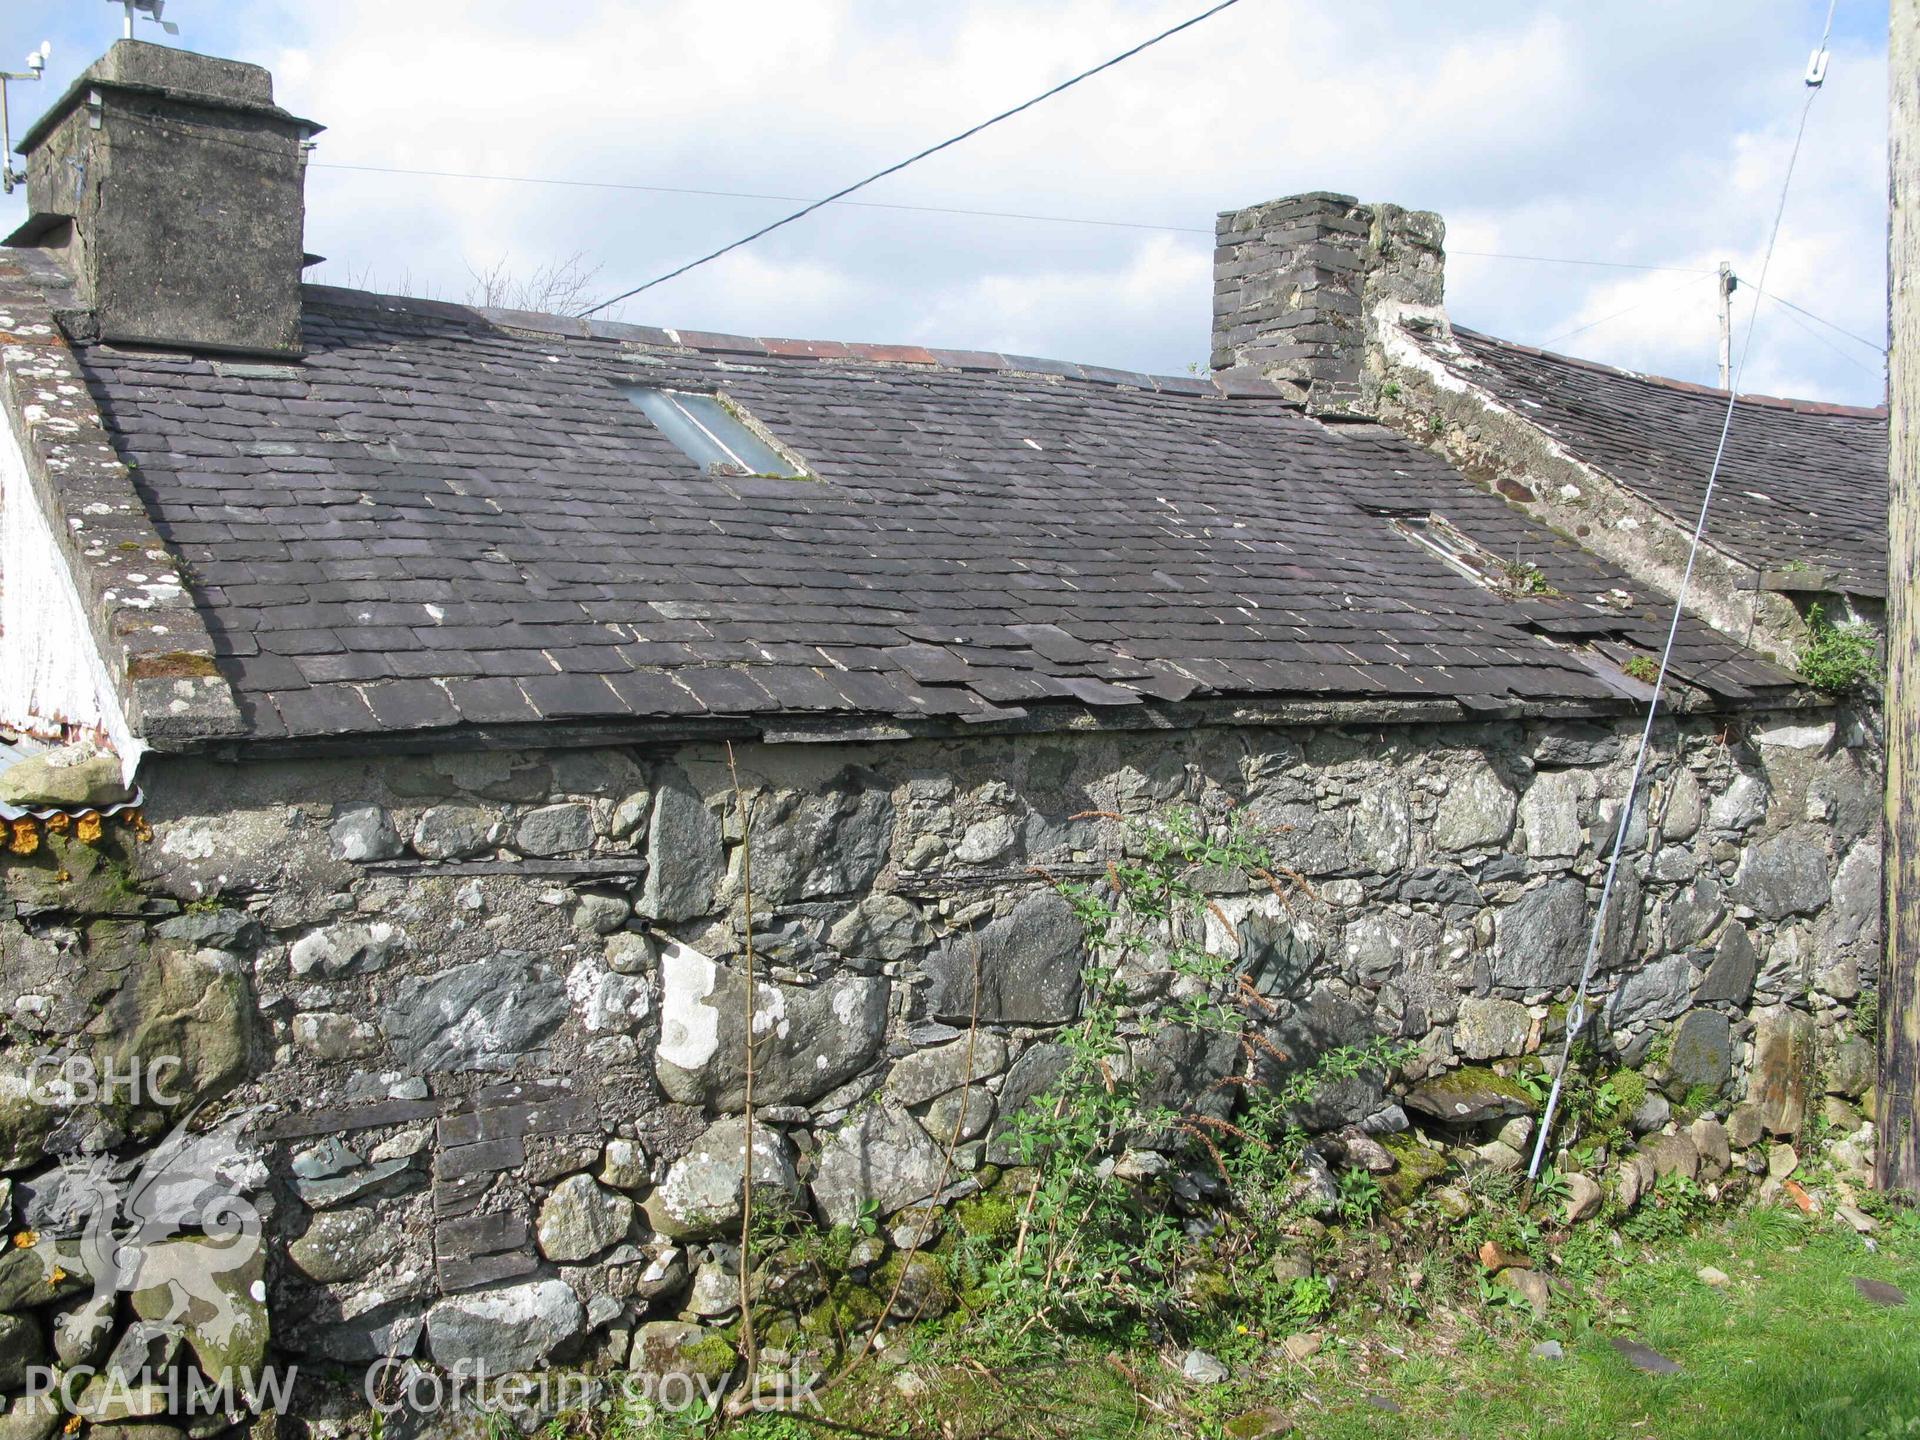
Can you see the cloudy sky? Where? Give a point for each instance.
(1636, 133)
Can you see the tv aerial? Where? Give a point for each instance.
(152, 9)
(36, 67)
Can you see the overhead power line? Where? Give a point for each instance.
(1577, 1015)
(765, 195)
(922, 209)
(1779, 299)
(898, 166)
(1693, 279)
(1824, 343)
(1569, 260)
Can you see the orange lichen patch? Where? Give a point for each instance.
(25, 838)
(59, 823)
(173, 665)
(26, 1239)
(136, 822)
(87, 828)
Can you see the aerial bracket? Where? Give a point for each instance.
(36, 67)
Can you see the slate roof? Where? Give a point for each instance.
(445, 517)
(1801, 482)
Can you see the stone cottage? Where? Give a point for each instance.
(401, 690)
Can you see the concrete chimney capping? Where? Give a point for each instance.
(171, 188)
(1304, 285)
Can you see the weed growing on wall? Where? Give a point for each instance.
(1106, 1239)
(1839, 659)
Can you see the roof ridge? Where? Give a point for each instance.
(1688, 387)
(1239, 384)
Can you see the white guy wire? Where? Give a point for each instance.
(1577, 1014)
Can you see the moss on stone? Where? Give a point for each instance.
(1629, 1089)
(1209, 1288)
(1472, 1086)
(67, 874)
(709, 1355)
(1414, 1167)
(988, 1216)
(925, 1292)
(850, 1308)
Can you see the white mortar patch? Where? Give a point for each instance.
(189, 842)
(689, 1027)
(770, 1012)
(1796, 735)
(846, 1007)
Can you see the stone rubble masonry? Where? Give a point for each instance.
(493, 1004)
(1299, 282)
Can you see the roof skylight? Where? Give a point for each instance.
(713, 434)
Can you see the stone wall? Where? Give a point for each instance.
(476, 1020)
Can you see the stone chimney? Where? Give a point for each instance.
(172, 188)
(1303, 287)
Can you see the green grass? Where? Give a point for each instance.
(1788, 1349)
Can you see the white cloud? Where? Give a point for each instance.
(1631, 131)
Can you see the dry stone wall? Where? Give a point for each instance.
(474, 1023)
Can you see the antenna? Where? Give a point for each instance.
(36, 67)
(152, 9)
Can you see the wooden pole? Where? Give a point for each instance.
(1726, 325)
(1899, 1149)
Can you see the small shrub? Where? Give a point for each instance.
(1866, 1014)
(1839, 659)
(1551, 1188)
(1669, 1212)
(1096, 1253)
(1360, 1197)
(1643, 668)
(1523, 577)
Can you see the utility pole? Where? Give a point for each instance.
(1899, 1150)
(1727, 282)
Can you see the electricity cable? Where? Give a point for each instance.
(898, 166)
(1576, 1018)
(1028, 215)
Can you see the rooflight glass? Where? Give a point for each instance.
(711, 435)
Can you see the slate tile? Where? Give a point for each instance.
(726, 691)
(325, 710)
(410, 704)
(572, 696)
(649, 693)
(949, 565)
(490, 702)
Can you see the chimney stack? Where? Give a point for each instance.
(1303, 286)
(172, 188)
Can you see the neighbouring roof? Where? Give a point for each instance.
(1802, 484)
(446, 517)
